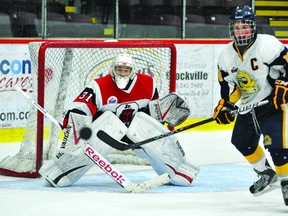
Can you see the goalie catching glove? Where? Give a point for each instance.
(279, 93)
(222, 113)
(172, 109)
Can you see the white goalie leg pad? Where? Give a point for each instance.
(70, 162)
(65, 170)
(165, 155)
(185, 174)
(172, 109)
(113, 126)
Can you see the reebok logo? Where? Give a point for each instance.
(104, 165)
(166, 112)
(76, 138)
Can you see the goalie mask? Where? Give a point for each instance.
(242, 26)
(123, 70)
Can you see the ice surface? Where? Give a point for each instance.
(221, 188)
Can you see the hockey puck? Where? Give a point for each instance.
(85, 133)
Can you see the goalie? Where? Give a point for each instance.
(126, 105)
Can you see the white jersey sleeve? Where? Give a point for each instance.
(273, 55)
(249, 72)
(272, 49)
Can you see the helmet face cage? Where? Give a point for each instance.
(245, 37)
(123, 60)
(242, 26)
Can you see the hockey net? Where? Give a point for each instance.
(60, 70)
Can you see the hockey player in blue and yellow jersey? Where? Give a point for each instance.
(253, 68)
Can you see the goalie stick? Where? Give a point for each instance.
(105, 165)
(41, 109)
(122, 146)
(117, 176)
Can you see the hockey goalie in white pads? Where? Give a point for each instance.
(165, 155)
(70, 163)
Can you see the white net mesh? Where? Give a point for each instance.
(67, 71)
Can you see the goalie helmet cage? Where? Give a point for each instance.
(60, 70)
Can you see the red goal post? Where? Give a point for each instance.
(60, 70)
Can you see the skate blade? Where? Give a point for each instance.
(268, 189)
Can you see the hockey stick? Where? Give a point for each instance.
(117, 176)
(41, 109)
(122, 146)
(105, 165)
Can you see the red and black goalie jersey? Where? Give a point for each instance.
(103, 94)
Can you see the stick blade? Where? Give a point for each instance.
(102, 135)
(149, 184)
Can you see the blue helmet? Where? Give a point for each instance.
(242, 22)
(245, 13)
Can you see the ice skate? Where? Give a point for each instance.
(267, 182)
(284, 187)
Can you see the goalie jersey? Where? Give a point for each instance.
(252, 75)
(103, 94)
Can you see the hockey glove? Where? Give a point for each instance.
(172, 109)
(279, 94)
(222, 113)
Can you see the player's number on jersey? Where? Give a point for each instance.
(86, 96)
